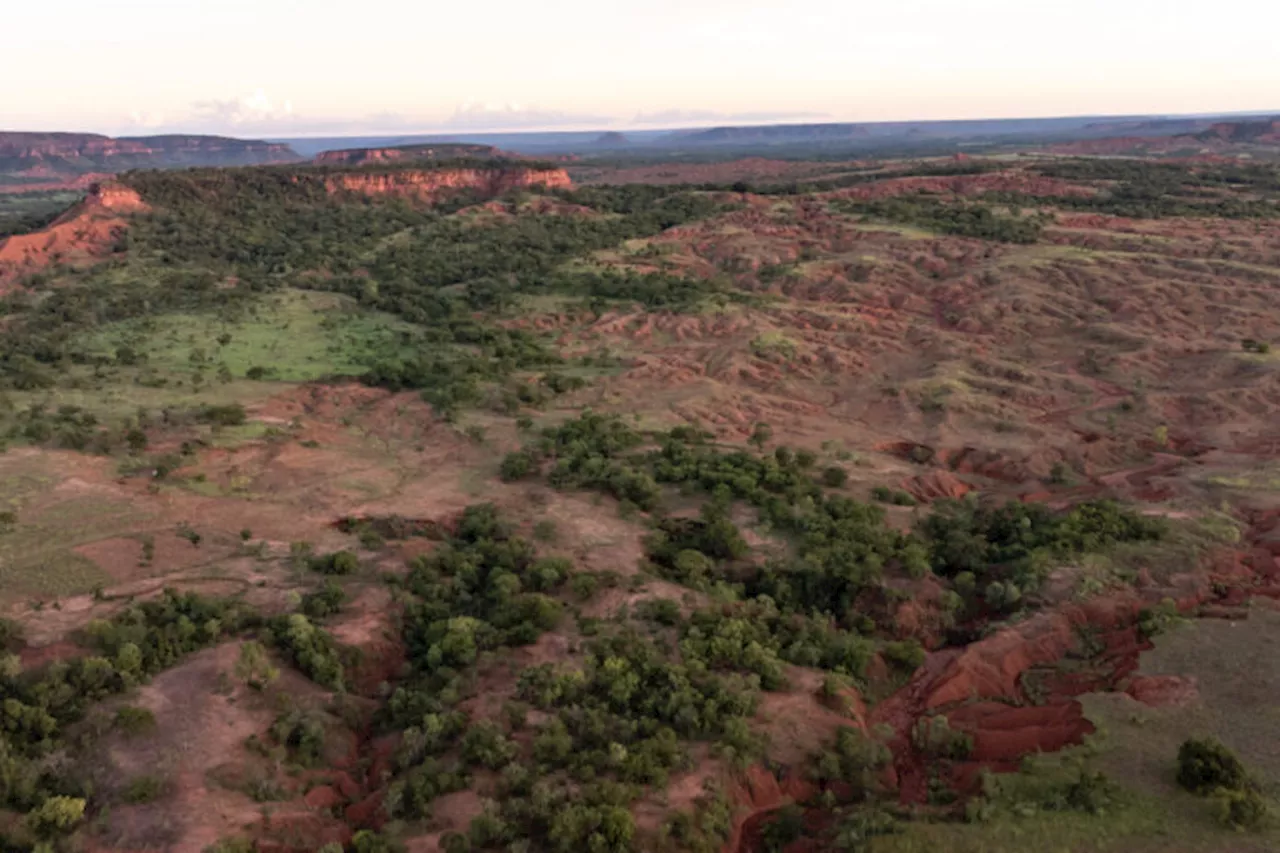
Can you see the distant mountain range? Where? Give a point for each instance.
(52, 158)
(871, 137)
(74, 160)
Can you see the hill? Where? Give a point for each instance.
(401, 153)
(44, 159)
(1237, 139)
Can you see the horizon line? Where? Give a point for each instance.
(508, 131)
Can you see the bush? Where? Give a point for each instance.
(55, 816)
(664, 611)
(786, 827)
(1205, 764)
(516, 466)
(302, 734)
(337, 563)
(934, 737)
(325, 601)
(143, 789)
(1242, 809)
(906, 655)
(834, 476)
(133, 720)
(232, 414)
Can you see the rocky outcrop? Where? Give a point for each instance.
(432, 185)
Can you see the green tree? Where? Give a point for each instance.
(1205, 764)
(254, 666)
(55, 816)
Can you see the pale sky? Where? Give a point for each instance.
(276, 68)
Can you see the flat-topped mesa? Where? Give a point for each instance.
(76, 153)
(436, 184)
(407, 153)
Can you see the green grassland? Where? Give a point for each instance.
(295, 336)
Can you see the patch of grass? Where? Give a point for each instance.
(774, 346)
(37, 556)
(295, 336)
(132, 720)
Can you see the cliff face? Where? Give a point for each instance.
(404, 153)
(437, 184)
(52, 155)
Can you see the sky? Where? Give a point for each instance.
(273, 68)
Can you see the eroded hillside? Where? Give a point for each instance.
(793, 511)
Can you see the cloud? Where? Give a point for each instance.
(255, 108)
(258, 114)
(479, 117)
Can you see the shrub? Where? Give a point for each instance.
(254, 666)
(232, 414)
(302, 734)
(852, 760)
(55, 815)
(934, 737)
(516, 465)
(901, 497)
(786, 827)
(337, 563)
(906, 655)
(1205, 764)
(133, 720)
(1239, 809)
(325, 601)
(834, 476)
(664, 611)
(143, 789)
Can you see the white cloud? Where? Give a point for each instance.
(254, 108)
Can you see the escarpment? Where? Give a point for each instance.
(436, 184)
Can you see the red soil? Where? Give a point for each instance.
(758, 793)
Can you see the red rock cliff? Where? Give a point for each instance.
(436, 184)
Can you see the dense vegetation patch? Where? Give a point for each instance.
(959, 219)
